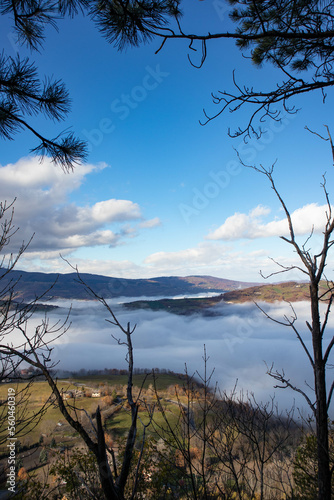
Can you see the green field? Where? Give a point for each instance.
(53, 424)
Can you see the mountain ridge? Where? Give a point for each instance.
(64, 286)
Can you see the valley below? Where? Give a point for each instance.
(173, 326)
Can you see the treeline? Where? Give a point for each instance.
(83, 372)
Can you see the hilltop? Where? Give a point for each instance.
(290, 291)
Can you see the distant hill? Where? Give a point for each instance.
(289, 291)
(184, 307)
(29, 285)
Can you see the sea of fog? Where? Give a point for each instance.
(240, 343)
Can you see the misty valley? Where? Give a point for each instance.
(201, 354)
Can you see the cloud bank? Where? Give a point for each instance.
(239, 344)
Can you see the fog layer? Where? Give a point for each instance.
(240, 343)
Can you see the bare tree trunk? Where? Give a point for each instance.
(106, 479)
(36, 351)
(324, 474)
(313, 266)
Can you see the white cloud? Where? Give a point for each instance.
(235, 262)
(199, 256)
(114, 210)
(31, 172)
(51, 262)
(148, 224)
(71, 217)
(42, 208)
(251, 225)
(259, 210)
(213, 259)
(98, 238)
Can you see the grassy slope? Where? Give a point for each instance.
(40, 392)
(290, 291)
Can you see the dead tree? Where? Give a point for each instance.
(185, 432)
(36, 351)
(226, 446)
(14, 315)
(312, 266)
(264, 432)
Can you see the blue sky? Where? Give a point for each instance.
(160, 194)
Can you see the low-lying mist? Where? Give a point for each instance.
(239, 343)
